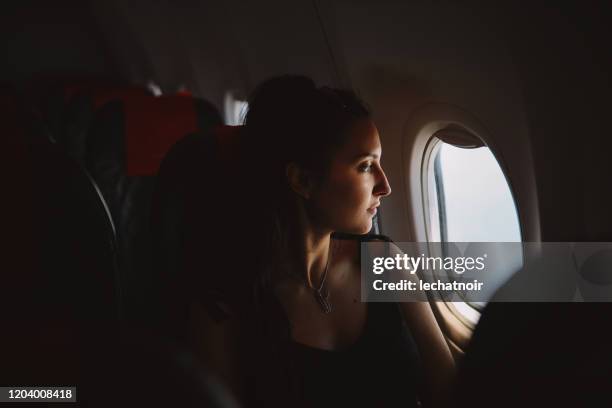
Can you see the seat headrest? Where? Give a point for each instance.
(148, 126)
(99, 97)
(152, 126)
(67, 106)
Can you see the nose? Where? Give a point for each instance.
(382, 188)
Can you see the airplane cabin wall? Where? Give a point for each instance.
(564, 61)
(52, 38)
(212, 47)
(402, 56)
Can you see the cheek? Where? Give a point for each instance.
(355, 194)
(344, 203)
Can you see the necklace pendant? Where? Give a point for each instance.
(323, 302)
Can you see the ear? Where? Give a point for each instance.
(300, 180)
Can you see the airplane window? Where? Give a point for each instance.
(469, 201)
(235, 109)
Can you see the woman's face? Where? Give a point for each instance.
(345, 200)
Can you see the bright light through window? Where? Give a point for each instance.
(235, 109)
(478, 204)
(470, 201)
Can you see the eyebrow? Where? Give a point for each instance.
(364, 155)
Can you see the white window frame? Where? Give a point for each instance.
(418, 145)
(435, 228)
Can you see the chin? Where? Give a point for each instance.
(366, 230)
(366, 226)
(360, 230)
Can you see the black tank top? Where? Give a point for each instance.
(381, 369)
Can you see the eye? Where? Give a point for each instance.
(365, 167)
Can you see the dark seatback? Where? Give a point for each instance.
(77, 110)
(197, 218)
(538, 354)
(125, 146)
(58, 283)
(65, 103)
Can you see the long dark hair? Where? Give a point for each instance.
(289, 119)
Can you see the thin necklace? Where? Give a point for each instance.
(323, 300)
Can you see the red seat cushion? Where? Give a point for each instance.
(152, 126)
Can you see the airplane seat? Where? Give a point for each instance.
(70, 108)
(59, 268)
(80, 110)
(50, 94)
(198, 225)
(126, 142)
(537, 354)
(141, 369)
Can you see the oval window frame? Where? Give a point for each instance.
(419, 143)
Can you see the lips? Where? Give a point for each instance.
(373, 210)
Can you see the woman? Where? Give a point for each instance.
(299, 336)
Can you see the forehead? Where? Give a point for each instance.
(362, 139)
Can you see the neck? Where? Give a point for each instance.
(311, 250)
